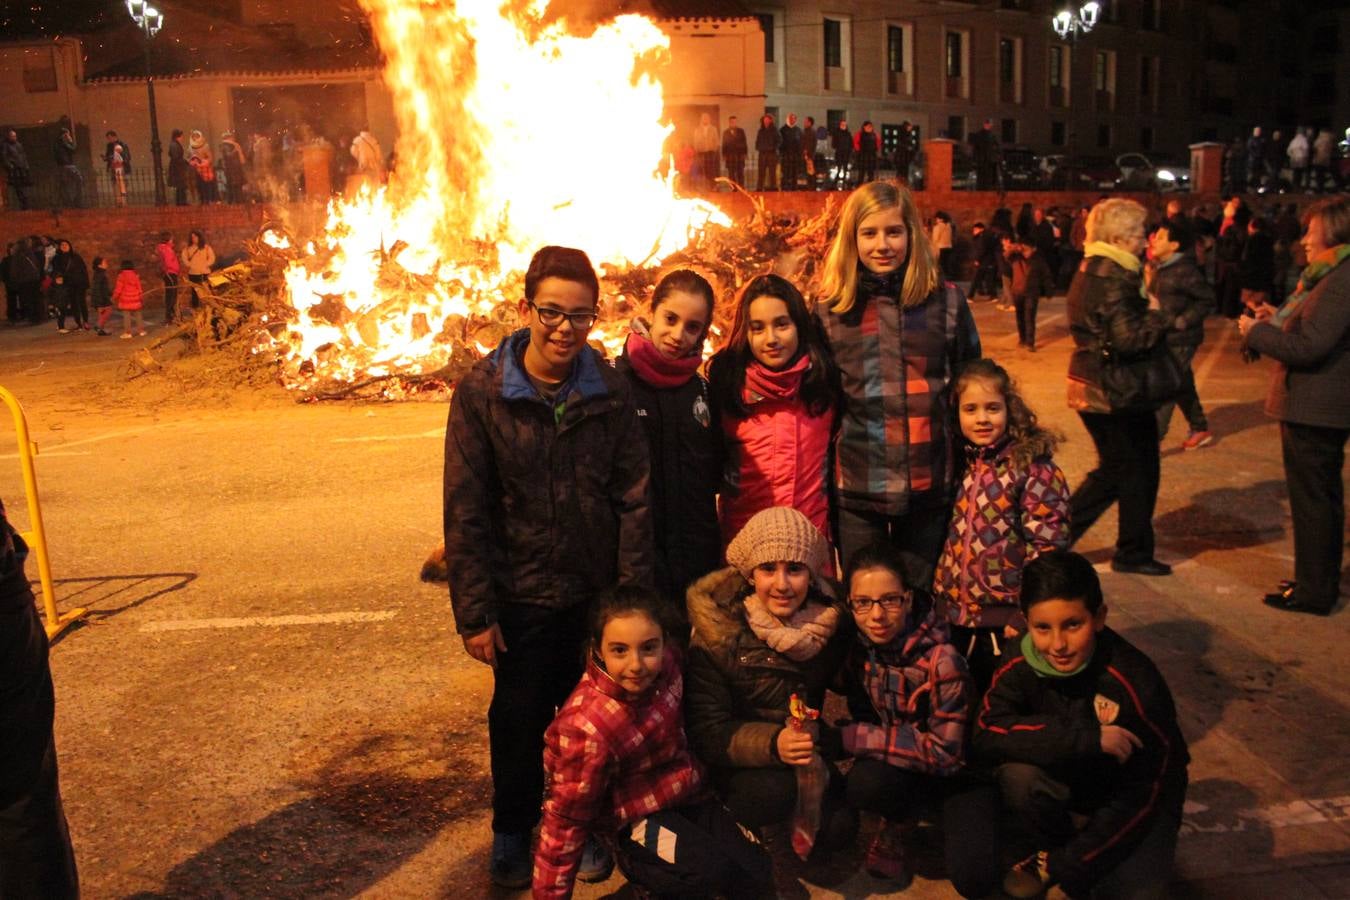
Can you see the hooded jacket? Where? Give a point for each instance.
(909, 699)
(737, 697)
(127, 291)
(1185, 296)
(1004, 517)
(545, 503)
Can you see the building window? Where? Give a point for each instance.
(834, 51)
(1103, 135)
(1146, 77)
(1146, 138)
(832, 119)
(1056, 65)
(895, 48)
(1008, 131)
(39, 70)
(1099, 70)
(1007, 60)
(766, 25)
(1057, 133)
(954, 65)
(1153, 15)
(956, 128)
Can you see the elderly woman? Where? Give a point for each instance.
(1115, 329)
(1309, 338)
(765, 629)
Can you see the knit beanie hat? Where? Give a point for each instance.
(779, 533)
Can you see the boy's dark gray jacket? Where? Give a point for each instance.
(542, 507)
(1184, 294)
(1056, 724)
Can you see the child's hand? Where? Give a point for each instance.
(795, 746)
(1011, 632)
(485, 645)
(1119, 742)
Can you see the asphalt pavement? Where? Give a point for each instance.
(265, 701)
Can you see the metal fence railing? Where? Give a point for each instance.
(83, 189)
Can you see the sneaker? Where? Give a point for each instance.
(596, 862)
(886, 857)
(126, 335)
(512, 865)
(1029, 878)
(1197, 439)
(63, 330)
(140, 334)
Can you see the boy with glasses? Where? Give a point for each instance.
(546, 483)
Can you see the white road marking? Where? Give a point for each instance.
(433, 433)
(340, 618)
(60, 449)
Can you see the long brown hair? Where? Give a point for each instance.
(839, 280)
(1030, 439)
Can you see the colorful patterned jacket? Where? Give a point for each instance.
(910, 698)
(1003, 518)
(609, 760)
(896, 366)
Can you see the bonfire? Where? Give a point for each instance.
(407, 284)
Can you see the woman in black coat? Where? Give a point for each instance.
(70, 288)
(1309, 337)
(179, 173)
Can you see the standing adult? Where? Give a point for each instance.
(199, 158)
(985, 148)
(17, 173)
(766, 147)
(369, 160)
(169, 271)
(843, 155)
(70, 288)
(1256, 269)
(1256, 158)
(706, 141)
(1108, 315)
(905, 151)
(25, 282)
(179, 171)
(1309, 339)
(867, 145)
(232, 158)
(198, 258)
(1228, 249)
(1299, 152)
(810, 165)
(72, 182)
(116, 143)
(942, 242)
(790, 152)
(1235, 166)
(735, 148)
(1322, 175)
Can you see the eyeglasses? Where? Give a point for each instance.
(888, 603)
(553, 317)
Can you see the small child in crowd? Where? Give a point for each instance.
(617, 764)
(1031, 280)
(1084, 733)
(102, 295)
(775, 390)
(1013, 504)
(908, 695)
(127, 297)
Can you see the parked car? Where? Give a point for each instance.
(1080, 173)
(1021, 169)
(1138, 172)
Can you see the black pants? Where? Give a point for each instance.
(694, 851)
(768, 172)
(1313, 458)
(986, 280)
(1026, 319)
(72, 187)
(736, 169)
(867, 168)
(72, 303)
(30, 302)
(1187, 397)
(985, 650)
(918, 535)
(541, 666)
(193, 282)
(170, 296)
(1128, 470)
(792, 169)
(768, 796)
(36, 858)
(180, 195)
(1044, 803)
(1228, 288)
(966, 807)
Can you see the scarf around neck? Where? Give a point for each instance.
(1123, 258)
(802, 636)
(870, 284)
(762, 383)
(654, 367)
(1318, 267)
(1041, 666)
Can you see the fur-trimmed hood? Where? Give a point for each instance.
(717, 613)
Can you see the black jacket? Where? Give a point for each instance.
(791, 140)
(686, 469)
(102, 293)
(178, 167)
(1186, 299)
(544, 504)
(71, 268)
(734, 143)
(766, 139)
(1256, 271)
(1056, 724)
(1105, 307)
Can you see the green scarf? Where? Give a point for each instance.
(1041, 666)
(1123, 258)
(1317, 269)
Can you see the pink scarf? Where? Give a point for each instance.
(652, 366)
(766, 384)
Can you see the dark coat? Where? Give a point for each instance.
(75, 275)
(686, 466)
(102, 291)
(64, 151)
(766, 139)
(15, 160)
(734, 145)
(544, 505)
(791, 140)
(1256, 271)
(1186, 298)
(179, 174)
(842, 139)
(736, 688)
(1105, 306)
(1311, 385)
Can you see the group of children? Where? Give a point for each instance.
(590, 510)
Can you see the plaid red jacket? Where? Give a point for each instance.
(610, 760)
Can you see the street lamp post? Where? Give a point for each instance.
(1070, 23)
(150, 21)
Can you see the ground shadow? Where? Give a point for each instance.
(1219, 821)
(1226, 518)
(366, 813)
(1224, 422)
(106, 596)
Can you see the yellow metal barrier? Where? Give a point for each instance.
(36, 537)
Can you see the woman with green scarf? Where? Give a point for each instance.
(1110, 316)
(1309, 338)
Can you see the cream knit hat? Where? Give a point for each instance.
(779, 533)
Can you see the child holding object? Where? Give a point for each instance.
(617, 764)
(1013, 503)
(102, 295)
(765, 629)
(1084, 733)
(127, 297)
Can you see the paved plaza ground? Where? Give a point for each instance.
(266, 702)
